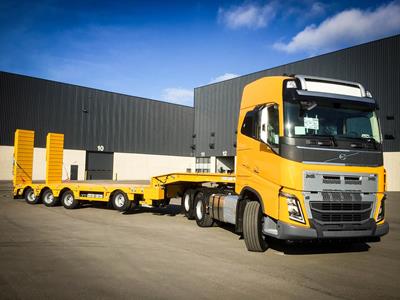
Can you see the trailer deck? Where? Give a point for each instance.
(160, 188)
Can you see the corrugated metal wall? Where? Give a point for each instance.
(376, 65)
(90, 117)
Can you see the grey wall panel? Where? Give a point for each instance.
(376, 65)
(119, 122)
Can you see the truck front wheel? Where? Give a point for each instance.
(252, 227)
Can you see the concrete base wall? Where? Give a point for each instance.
(392, 166)
(131, 166)
(6, 162)
(127, 166)
(71, 157)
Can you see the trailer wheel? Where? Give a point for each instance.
(30, 197)
(203, 219)
(187, 204)
(252, 227)
(120, 201)
(48, 198)
(68, 200)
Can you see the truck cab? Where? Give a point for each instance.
(309, 161)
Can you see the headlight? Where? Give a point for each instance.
(291, 84)
(294, 208)
(381, 213)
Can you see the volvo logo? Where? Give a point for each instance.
(342, 156)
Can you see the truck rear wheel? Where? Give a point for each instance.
(187, 204)
(252, 227)
(48, 198)
(68, 200)
(120, 201)
(30, 197)
(203, 219)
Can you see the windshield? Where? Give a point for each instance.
(330, 118)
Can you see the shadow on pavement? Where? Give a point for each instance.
(285, 247)
(308, 247)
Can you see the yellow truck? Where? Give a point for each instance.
(309, 165)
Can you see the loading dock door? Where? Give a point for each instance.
(99, 165)
(74, 172)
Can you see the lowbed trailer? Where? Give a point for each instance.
(122, 196)
(309, 165)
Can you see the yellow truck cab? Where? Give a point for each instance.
(309, 155)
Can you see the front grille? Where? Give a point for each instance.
(340, 211)
(338, 196)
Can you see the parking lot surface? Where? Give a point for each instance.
(98, 253)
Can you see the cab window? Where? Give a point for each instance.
(262, 124)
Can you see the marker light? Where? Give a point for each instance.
(381, 214)
(291, 84)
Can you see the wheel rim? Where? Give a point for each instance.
(48, 198)
(119, 200)
(31, 196)
(186, 202)
(68, 200)
(199, 210)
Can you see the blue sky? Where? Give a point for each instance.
(163, 49)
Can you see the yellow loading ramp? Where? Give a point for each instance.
(54, 158)
(23, 157)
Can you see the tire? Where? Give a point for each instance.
(252, 227)
(187, 204)
(203, 219)
(68, 200)
(29, 196)
(48, 198)
(120, 201)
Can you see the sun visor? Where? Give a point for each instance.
(307, 95)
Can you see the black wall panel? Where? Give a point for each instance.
(376, 65)
(90, 118)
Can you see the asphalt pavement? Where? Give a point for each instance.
(98, 253)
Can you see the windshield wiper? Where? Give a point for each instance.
(369, 140)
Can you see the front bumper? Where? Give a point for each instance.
(287, 231)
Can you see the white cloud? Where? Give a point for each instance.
(316, 9)
(345, 28)
(248, 15)
(223, 77)
(178, 96)
(304, 12)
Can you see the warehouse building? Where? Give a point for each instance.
(107, 135)
(376, 65)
